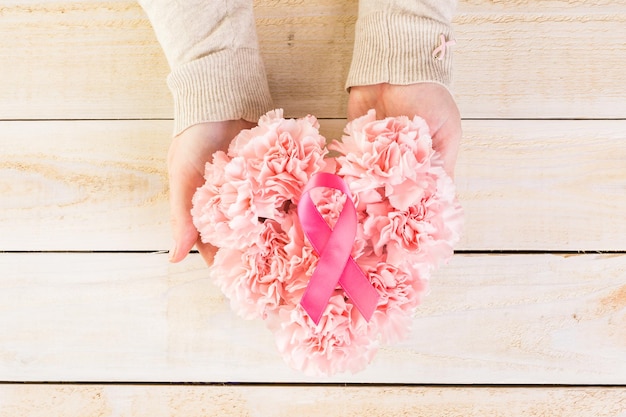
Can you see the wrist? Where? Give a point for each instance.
(227, 85)
(398, 49)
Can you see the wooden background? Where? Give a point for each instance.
(528, 319)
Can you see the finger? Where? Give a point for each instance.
(363, 98)
(446, 141)
(207, 251)
(183, 230)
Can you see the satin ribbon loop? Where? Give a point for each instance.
(334, 246)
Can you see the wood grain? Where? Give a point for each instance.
(531, 59)
(84, 185)
(312, 401)
(518, 319)
(543, 185)
(101, 185)
(80, 60)
(88, 59)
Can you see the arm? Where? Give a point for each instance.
(216, 70)
(395, 72)
(219, 87)
(395, 40)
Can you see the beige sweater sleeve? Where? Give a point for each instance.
(212, 48)
(395, 40)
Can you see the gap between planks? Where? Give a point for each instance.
(321, 401)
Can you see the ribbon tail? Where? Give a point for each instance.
(359, 289)
(318, 293)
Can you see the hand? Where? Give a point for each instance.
(186, 159)
(431, 101)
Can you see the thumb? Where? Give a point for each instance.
(183, 229)
(184, 232)
(447, 140)
(448, 148)
(207, 251)
(182, 188)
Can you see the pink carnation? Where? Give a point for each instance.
(271, 273)
(264, 173)
(222, 208)
(401, 287)
(341, 342)
(383, 153)
(408, 220)
(410, 207)
(278, 157)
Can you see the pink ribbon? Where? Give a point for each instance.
(440, 52)
(333, 246)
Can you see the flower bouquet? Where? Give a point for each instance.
(333, 253)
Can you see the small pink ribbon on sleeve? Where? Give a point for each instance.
(334, 246)
(440, 52)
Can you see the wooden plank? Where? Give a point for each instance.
(101, 185)
(558, 59)
(490, 319)
(313, 401)
(543, 185)
(92, 59)
(84, 185)
(80, 59)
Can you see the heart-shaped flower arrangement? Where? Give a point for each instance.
(259, 207)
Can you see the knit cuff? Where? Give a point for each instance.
(226, 85)
(398, 49)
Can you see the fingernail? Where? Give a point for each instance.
(172, 253)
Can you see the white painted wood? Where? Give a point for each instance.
(316, 401)
(85, 59)
(102, 185)
(100, 59)
(519, 319)
(84, 185)
(548, 59)
(543, 185)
